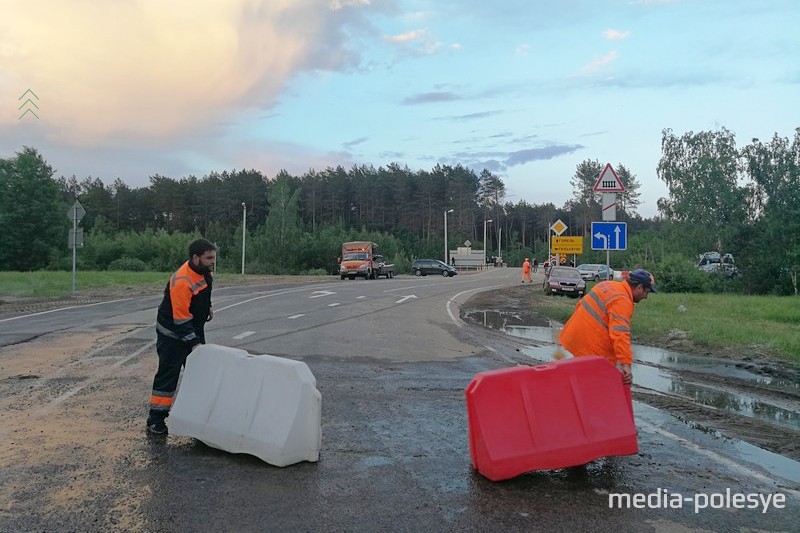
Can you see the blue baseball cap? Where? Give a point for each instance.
(643, 277)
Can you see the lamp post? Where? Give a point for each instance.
(244, 232)
(484, 241)
(446, 251)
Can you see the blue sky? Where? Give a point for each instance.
(527, 89)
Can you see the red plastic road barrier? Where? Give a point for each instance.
(559, 414)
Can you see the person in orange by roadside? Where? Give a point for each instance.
(601, 322)
(526, 271)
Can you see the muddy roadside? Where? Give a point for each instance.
(518, 307)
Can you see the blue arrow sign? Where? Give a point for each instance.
(609, 236)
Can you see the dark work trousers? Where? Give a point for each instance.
(172, 355)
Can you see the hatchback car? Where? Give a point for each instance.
(423, 267)
(564, 280)
(595, 272)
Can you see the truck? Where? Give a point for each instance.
(361, 258)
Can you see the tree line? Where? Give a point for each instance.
(740, 201)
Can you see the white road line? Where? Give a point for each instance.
(404, 298)
(295, 316)
(456, 320)
(242, 335)
(334, 305)
(714, 456)
(360, 297)
(320, 294)
(63, 309)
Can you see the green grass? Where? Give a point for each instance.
(44, 284)
(765, 323)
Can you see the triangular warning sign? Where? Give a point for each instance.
(608, 181)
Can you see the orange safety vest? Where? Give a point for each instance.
(526, 267)
(601, 323)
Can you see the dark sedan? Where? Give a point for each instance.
(564, 280)
(423, 267)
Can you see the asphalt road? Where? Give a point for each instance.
(392, 359)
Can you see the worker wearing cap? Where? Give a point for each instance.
(526, 271)
(601, 323)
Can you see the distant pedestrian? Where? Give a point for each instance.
(180, 327)
(535, 265)
(526, 271)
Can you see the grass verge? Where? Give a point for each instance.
(768, 324)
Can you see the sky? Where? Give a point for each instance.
(527, 89)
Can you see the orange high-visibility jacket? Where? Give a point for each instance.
(601, 323)
(526, 267)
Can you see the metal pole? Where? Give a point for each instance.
(244, 232)
(500, 244)
(74, 244)
(446, 259)
(484, 241)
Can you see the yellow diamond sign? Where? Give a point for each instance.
(558, 227)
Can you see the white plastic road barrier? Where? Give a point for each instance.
(262, 405)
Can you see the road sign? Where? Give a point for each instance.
(558, 227)
(609, 236)
(609, 206)
(608, 181)
(76, 212)
(567, 245)
(71, 238)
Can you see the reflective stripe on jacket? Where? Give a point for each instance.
(601, 323)
(186, 305)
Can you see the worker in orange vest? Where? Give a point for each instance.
(601, 322)
(526, 271)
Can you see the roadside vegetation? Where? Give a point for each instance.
(733, 322)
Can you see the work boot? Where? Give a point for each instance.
(157, 425)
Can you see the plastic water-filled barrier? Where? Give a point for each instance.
(555, 415)
(261, 405)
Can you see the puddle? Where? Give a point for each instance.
(663, 378)
(494, 319)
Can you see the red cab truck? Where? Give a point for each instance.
(361, 258)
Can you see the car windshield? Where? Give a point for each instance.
(561, 272)
(355, 256)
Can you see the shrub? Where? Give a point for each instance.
(130, 264)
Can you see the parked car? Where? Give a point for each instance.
(423, 267)
(595, 272)
(565, 280)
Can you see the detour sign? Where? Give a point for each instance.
(566, 245)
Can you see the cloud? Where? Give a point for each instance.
(522, 50)
(616, 35)
(536, 154)
(149, 71)
(599, 63)
(427, 98)
(416, 42)
(354, 142)
(471, 116)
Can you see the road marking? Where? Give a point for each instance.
(241, 336)
(714, 456)
(457, 321)
(320, 294)
(334, 305)
(63, 309)
(404, 298)
(295, 316)
(360, 297)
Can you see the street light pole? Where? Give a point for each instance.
(446, 251)
(484, 241)
(244, 232)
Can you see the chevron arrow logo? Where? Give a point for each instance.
(28, 104)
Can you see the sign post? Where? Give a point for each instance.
(608, 184)
(75, 214)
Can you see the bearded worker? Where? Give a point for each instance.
(180, 327)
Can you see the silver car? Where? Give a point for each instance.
(595, 272)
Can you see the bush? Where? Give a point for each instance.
(130, 264)
(675, 273)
